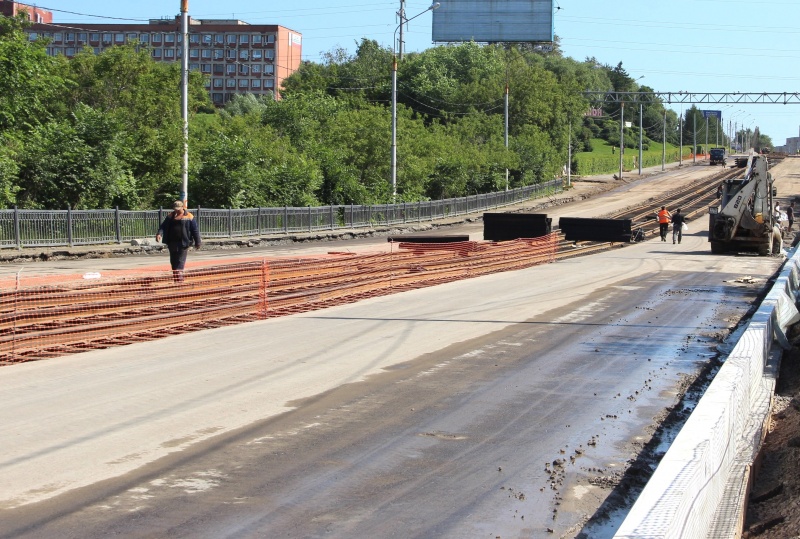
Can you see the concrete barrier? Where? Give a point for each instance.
(701, 485)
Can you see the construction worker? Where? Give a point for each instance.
(664, 218)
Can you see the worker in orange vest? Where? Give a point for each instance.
(664, 218)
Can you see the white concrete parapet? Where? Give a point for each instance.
(699, 487)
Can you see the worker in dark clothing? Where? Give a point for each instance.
(178, 231)
(678, 219)
(790, 215)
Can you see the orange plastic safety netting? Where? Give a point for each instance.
(44, 317)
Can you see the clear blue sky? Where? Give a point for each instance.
(689, 45)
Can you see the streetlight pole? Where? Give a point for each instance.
(394, 96)
(621, 135)
(185, 98)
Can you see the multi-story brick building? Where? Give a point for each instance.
(235, 56)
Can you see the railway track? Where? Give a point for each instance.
(48, 320)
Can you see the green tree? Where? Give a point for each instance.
(29, 79)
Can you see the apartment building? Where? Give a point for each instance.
(235, 56)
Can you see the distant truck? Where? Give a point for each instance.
(717, 156)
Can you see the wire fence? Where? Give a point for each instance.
(53, 228)
(49, 316)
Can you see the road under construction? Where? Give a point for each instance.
(511, 399)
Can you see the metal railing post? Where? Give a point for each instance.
(117, 224)
(17, 236)
(69, 225)
(285, 219)
(258, 221)
(309, 219)
(230, 222)
(331, 214)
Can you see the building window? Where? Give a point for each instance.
(156, 53)
(207, 83)
(83, 37)
(243, 83)
(258, 54)
(119, 38)
(58, 37)
(230, 69)
(194, 39)
(205, 68)
(157, 39)
(271, 38)
(256, 69)
(194, 54)
(144, 38)
(169, 54)
(231, 39)
(219, 54)
(132, 37)
(194, 67)
(244, 70)
(33, 36)
(216, 98)
(218, 83)
(269, 69)
(269, 54)
(269, 83)
(219, 69)
(94, 37)
(96, 50)
(70, 37)
(169, 39)
(255, 84)
(230, 54)
(70, 51)
(244, 39)
(219, 39)
(256, 39)
(206, 39)
(230, 83)
(244, 54)
(206, 53)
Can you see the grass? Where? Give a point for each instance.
(604, 159)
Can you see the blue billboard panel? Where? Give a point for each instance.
(712, 114)
(492, 21)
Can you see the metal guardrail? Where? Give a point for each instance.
(53, 228)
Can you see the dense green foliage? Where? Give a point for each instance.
(105, 130)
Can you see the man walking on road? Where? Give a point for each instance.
(178, 231)
(677, 225)
(790, 215)
(664, 218)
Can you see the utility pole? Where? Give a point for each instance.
(680, 151)
(185, 97)
(640, 138)
(694, 139)
(621, 135)
(664, 144)
(402, 15)
(506, 130)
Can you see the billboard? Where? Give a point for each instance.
(493, 21)
(712, 114)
